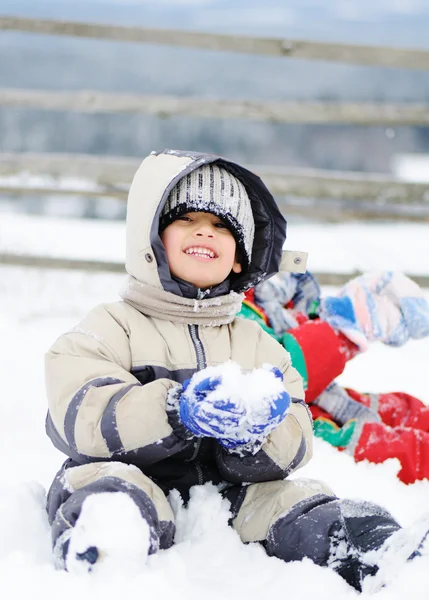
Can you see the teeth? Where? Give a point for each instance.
(196, 251)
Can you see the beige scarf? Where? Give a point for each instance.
(164, 305)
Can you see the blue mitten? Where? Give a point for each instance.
(388, 307)
(237, 409)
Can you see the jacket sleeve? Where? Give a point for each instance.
(97, 408)
(319, 353)
(290, 445)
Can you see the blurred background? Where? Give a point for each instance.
(364, 168)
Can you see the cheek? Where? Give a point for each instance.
(168, 238)
(231, 249)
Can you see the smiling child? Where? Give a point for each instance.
(168, 389)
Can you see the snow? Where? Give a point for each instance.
(402, 544)
(243, 407)
(123, 545)
(62, 237)
(411, 167)
(338, 247)
(208, 559)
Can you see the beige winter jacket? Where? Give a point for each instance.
(107, 379)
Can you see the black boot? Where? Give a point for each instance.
(339, 534)
(399, 549)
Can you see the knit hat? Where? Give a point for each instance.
(215, 190)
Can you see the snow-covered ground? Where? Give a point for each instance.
(208, 560)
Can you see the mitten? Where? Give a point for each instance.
(388, 307)
(236, 408)
(300, 290)
(342, 408)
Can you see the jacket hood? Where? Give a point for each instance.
(146, 258)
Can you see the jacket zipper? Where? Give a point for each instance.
(198, 345)
(199, 473)
(201, 364)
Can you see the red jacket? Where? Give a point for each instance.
(403, 431)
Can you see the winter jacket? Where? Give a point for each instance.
(396, 425)
(377, 426)
(108, 379)
(317, 351)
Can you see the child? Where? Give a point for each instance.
(321, 334)
(168, 389)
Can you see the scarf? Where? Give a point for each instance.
(158, 303)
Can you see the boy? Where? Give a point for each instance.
(167, 389)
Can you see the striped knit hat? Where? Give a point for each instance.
(213, 189)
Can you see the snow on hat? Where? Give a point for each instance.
(213, 189)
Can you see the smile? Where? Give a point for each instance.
(200, 252)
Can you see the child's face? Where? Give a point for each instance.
(200, 249)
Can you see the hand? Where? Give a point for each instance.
(299, 289)
(238, 409)
(388, 307)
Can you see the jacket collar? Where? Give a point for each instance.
(156, 302)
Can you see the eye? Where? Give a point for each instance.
(184, 218)
(220, 225)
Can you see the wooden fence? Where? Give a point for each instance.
(328, 194)
(113, 175)
(74, 264)
(403, 58)
(352, 113)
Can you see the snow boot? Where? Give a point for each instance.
(405, 545)
(110, 533)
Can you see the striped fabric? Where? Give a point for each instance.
(213, 189)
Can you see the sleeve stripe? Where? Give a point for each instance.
(75, 403)
(298, 456)
(109, 426)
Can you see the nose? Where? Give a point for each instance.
(205, 229)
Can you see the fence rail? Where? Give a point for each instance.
(45, 262)
(341, 194)
(117, 172)
(52, 190)
(335, 211)
(381, 56)
(89, 101)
